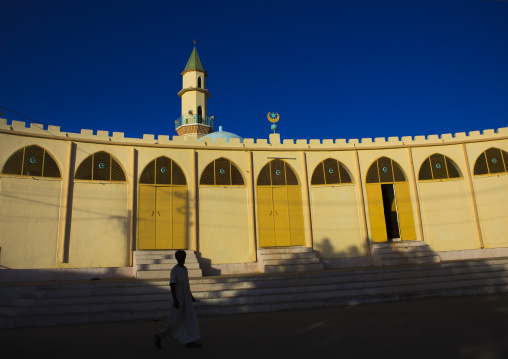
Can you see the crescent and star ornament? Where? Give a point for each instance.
(273, 117)
(101, 165)
(163, 169)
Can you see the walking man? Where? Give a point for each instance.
(182, 320)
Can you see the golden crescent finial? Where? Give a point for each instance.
(272, 119)
(195, 42)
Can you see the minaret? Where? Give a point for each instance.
(194, 121)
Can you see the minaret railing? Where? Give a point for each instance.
(193, 120)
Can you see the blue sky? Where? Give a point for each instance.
(337, 69)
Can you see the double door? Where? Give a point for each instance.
(390, 211)
(162, 222)
(280, 216)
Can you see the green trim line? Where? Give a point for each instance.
(194, 62)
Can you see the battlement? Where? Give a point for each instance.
(274, 141)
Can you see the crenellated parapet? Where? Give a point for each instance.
(274, 141)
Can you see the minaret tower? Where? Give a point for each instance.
(194, 121)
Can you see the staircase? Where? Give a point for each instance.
(402, 253)
(158, 264)
(288, 259)
(114, 300)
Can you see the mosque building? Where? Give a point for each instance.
(75, 205)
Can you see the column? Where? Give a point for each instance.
(252, 212)
(306, 204)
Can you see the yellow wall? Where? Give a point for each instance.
(447, 216)
(29, 221)
(32, 210)
(100, 226)
(492, 204)
(224, 224)
(336, 222)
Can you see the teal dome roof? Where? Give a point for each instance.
(222, 134)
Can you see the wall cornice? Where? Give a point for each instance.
(18, 128)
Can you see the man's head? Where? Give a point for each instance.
(180, 256)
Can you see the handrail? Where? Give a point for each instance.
(194, 119)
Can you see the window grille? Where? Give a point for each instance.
(385, 170)
(330, 171)
(32, 161)
(221, 172)
(438, 167)
(277, 173)
(163, 171)
(100, 166)
(491, 161)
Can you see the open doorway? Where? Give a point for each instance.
(390, 211)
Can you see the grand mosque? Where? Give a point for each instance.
(91, 203)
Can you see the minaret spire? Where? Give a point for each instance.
(194, 121)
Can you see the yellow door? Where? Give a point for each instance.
(405, 211)
(265, 217)
(376, 212)
(295, 205)
(146, 218)
(163, 218)
(281, 216)
(179, 217)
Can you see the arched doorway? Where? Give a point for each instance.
(162, 211)
(280, 209)
(389, 201)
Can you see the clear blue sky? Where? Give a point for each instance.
(335, 69)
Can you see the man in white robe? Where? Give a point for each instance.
(182, 322)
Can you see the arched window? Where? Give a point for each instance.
(438, 167)
(330, 171)
(221, 172)
(100, 166)
(385, 170)
(32, 161)
(277, 173)
(199, 81)
(200, 111)
(491, 161)
(163, 170)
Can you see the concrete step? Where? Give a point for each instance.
(395, 255)
(399, 244)
(349, 279)
(290, 261)
(188, 261)
(407, 260)
(171, 252)
(164, 266)
(293, 268)
(289, 255)
(401, 253)
(157, 264)
(279, 250)
(158, 274)
(407, 250)
(252, 296)
(102, 301)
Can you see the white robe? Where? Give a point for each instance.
(182, 321)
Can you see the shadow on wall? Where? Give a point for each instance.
(206, 266)
(1, 266)
(325, 249)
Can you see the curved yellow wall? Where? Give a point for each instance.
(465, 213)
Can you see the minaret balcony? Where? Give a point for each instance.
(194, 120)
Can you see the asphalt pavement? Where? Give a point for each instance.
(445, 327)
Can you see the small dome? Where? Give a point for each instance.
(222, 134)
